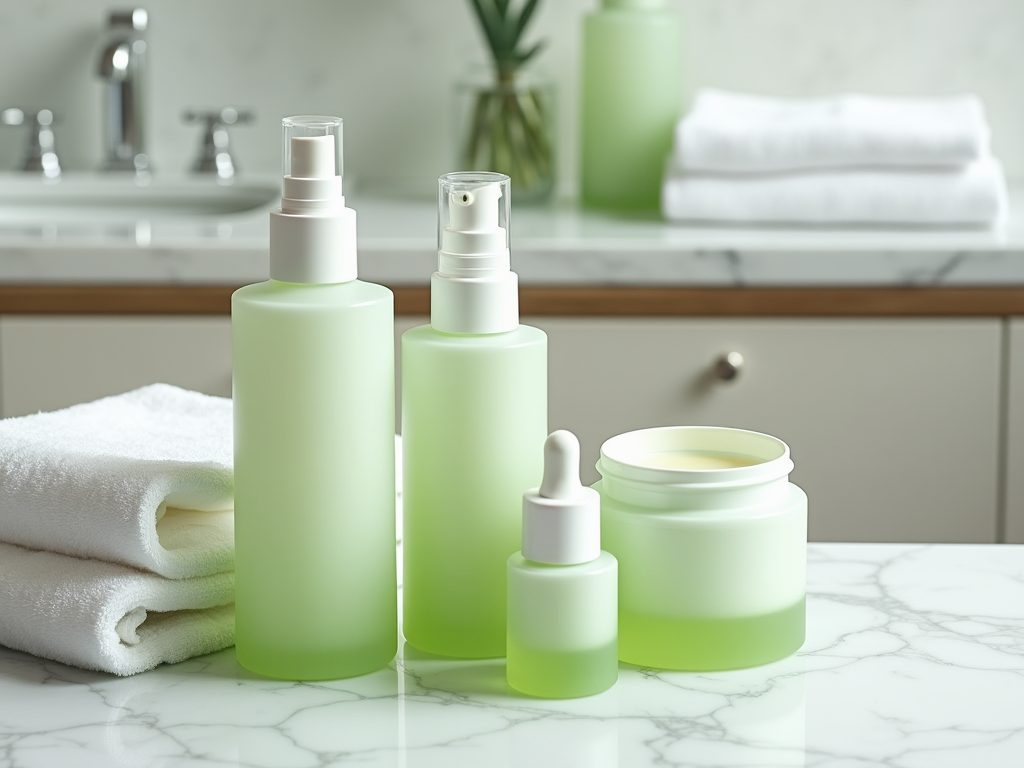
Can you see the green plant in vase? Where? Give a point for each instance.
(508, 116)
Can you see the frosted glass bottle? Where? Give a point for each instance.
(562, 607)
(632, 90)
(711, 539)
(474, 420)
(313, 364)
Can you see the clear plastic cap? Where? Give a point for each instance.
(473, 210)
(312, 147)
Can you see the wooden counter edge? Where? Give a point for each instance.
(554, 301)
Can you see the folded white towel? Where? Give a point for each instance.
(93, 481)
(738, 132)
(974, 195)
(108, 617)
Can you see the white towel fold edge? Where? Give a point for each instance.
(71, 609)
(727, 131)
(974, 195)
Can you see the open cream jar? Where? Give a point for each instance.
(711, 540)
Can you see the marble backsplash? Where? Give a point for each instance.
(387, 67)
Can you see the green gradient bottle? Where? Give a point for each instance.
(632, 90)
(474, 420)
(313, 362)
(562, 589)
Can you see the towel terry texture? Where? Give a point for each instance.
(109, 617)
(848, 159)
(972, 195)
(746, 133)
(143, 479)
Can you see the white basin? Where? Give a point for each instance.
(25, 197)
(89, 206)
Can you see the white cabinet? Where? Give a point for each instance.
(52, 362)
(893, 424)
(1014, 464)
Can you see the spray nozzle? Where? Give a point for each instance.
(473, 213)
(475, 210)
(313, 157)
(312, 164)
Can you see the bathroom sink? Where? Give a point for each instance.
(115, 209)
(112, 197)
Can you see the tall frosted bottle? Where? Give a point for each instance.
(632, 88)
(315, 570)
(474, 421)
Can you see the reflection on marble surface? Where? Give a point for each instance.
(557, 245)
(914, 657)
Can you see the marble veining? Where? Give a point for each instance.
(914, 657)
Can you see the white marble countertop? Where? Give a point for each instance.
(914, 657)
(559, 244)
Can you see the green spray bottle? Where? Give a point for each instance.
(313, 364)
(474, 420)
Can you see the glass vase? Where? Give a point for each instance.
(505, 124)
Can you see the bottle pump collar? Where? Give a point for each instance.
(474, 290)
(312, 234)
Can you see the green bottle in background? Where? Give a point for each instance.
(632, 91)
(314, 408)
(474, 420)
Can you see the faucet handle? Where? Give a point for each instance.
(137, 19)
(214, 153)
(226, 116)
(41, 155)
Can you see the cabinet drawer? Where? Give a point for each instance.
(53, 362)
(893, 424)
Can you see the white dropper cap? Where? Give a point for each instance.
(312, 234)
(562, 518)
(474, 290)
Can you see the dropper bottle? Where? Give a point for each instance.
(313, 367)
(562, 588)
(474, 419)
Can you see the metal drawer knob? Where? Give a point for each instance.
(728, 366)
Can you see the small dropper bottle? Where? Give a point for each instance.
(562, 588)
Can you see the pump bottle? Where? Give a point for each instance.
(474, 419)
(562, 588)
(313, 360)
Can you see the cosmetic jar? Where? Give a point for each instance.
(711, 538)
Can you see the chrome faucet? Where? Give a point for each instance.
(122, 67)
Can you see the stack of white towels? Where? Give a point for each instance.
(848, 159)
(116, 530)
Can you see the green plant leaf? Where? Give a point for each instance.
(522, 58)
(524, 18)
(489, 23)
(503, 28)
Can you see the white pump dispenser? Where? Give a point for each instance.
(474, 290)
(312, 234)
(561, 518)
